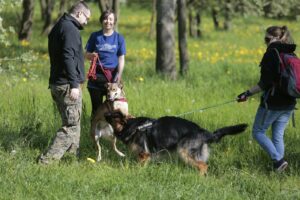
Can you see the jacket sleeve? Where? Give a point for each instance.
(269, 72)
(71, 42)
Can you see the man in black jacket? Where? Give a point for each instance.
(66, 76)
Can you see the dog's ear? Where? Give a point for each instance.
(107, 85)
(115, 116)
(120, 85)
(118, 114)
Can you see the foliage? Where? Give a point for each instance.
(267, 8)
(222, 64)
(5, 31)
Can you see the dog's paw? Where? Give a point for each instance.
(129, 116)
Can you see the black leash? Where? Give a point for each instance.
(143, 127)
(205, 108)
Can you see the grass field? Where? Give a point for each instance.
(222, 65)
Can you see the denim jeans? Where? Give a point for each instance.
(278, 119)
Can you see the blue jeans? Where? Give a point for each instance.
(278, 119)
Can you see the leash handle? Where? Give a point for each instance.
(92, 70)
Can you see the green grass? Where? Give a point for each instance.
(222, 65)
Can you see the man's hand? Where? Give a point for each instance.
(74, 94)
(243, 96)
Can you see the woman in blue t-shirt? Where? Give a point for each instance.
(109, 46)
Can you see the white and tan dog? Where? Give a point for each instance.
(115, 101)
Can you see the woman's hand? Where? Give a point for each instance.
(91, 56)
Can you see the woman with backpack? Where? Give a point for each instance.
(276, 106)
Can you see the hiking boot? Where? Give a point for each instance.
(280, 165)
(42, 161)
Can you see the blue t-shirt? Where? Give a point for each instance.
(109, 48)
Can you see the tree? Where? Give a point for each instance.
(27, 20)
(182, 37)
(110, 4)
(62, 8)
(152, 21)
(194, 16)
(228, 15)
(104, 5)
(47, 16)
(165, 42)
(43, 6)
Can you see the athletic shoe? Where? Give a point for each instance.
(280, 165)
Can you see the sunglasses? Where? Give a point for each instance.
(85, 15)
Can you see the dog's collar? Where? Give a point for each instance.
(121, 99)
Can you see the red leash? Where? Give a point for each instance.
(92, 71)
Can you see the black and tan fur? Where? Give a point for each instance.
(168, 133)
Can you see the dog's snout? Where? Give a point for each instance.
(112, 96)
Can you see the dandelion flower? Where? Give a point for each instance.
(91, 160)
(199, 55)
(141, 79)
(24, 43)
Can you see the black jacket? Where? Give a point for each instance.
(270, 75)
(66, 52)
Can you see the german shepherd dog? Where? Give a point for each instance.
(115, 101)
(146, 136)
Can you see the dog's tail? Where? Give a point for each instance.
(229, 130)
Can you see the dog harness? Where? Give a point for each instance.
(142, 129)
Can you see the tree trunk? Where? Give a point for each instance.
(116, 9)
(47, 22)
(194, 23)
(104, 5)
(165, 42)
(198, 24)
(62, 8)
(27, 20)
(153, 15)
(43, 9)
(267, 8)
(227, 16)
(191, 24)
(182, 37)
(214, 14)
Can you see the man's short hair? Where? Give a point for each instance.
(78, 7)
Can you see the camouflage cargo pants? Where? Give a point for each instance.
(68, 136)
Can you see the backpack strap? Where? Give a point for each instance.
(281, 66)
(281, 62)
(293, 119)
